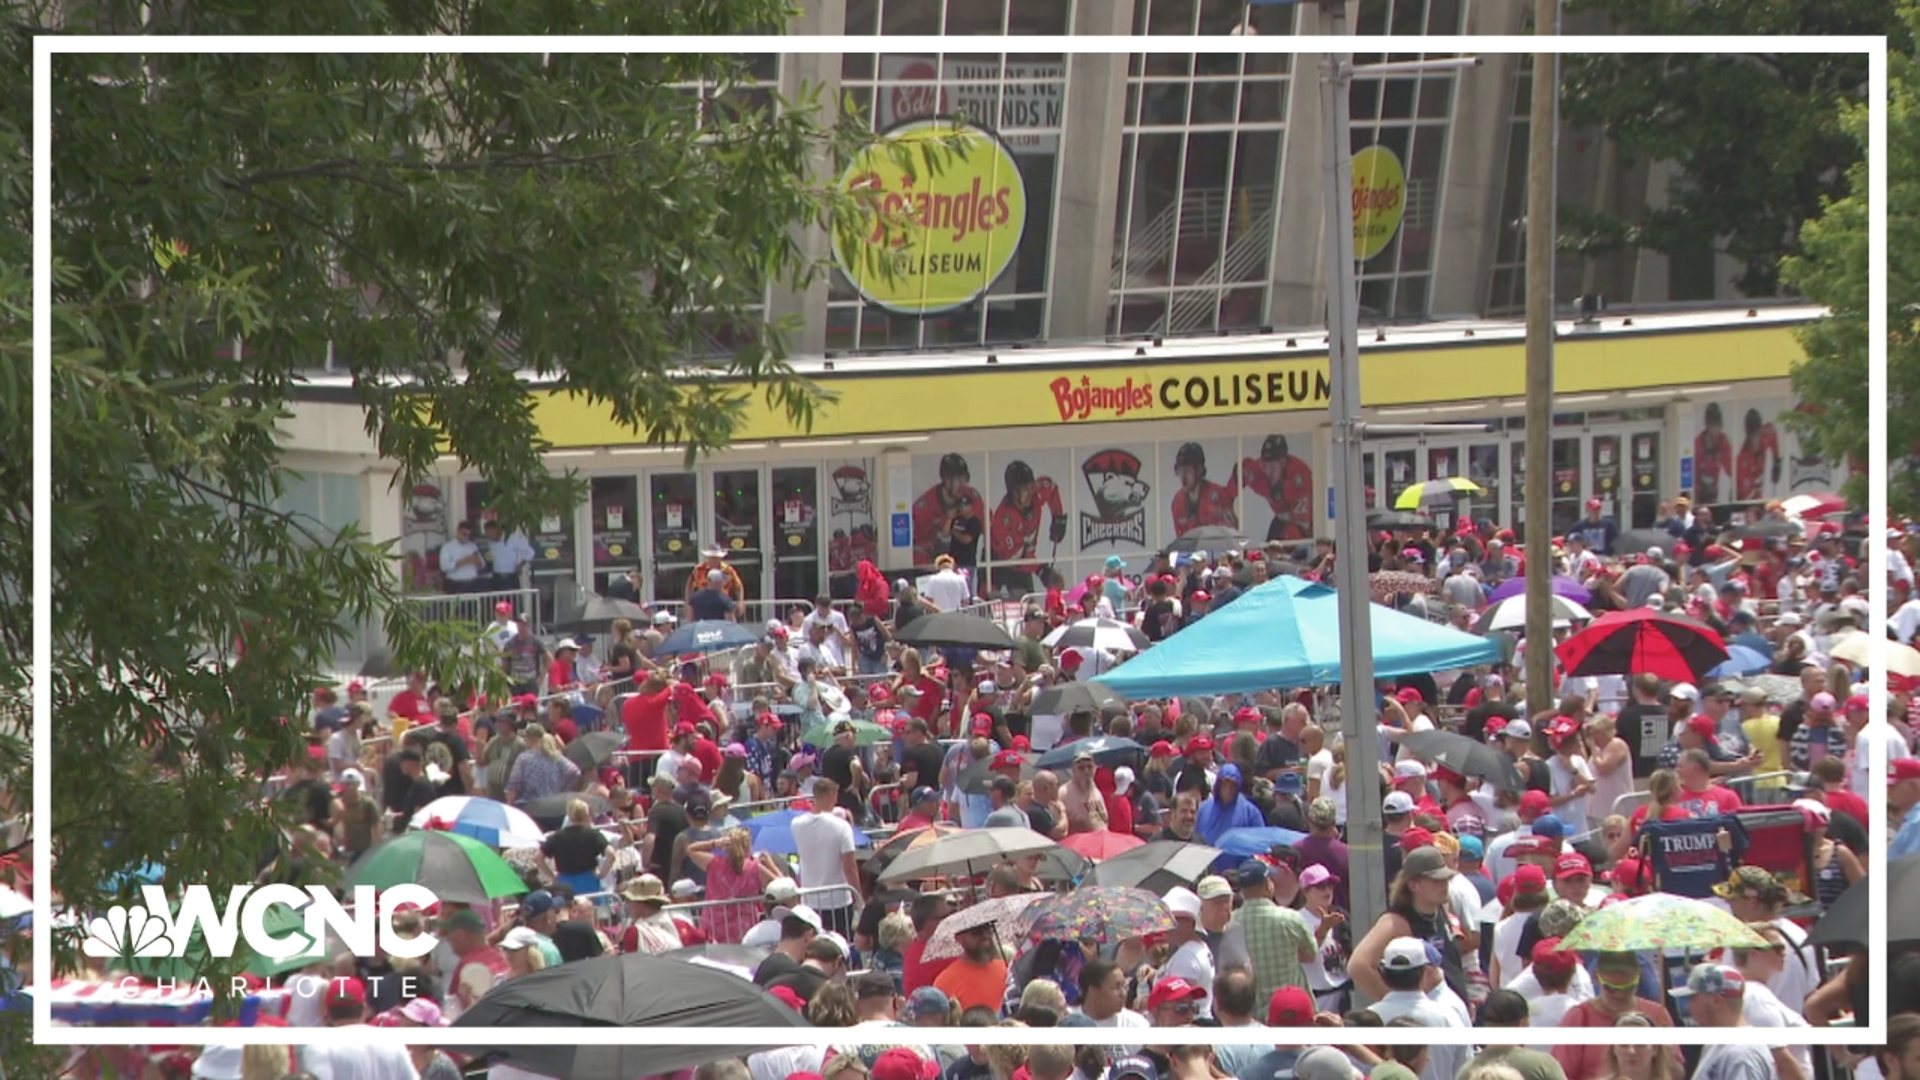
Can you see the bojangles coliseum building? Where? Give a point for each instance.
(1107, 329)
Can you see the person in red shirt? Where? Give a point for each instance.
(1116, 786)
(924, 810)
(412, 702)
(561, 675)
(927, 911)
(944, 509)
(1199, 502)
(707, 753)
(1699, 795)
(644, 715)
(1712, 457)
(1016, 521)
(1761, 446)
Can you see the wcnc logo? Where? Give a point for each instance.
(156, 929)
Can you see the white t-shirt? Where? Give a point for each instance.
(948, 590)
(1763, 1010)
(1527, 985)
(669, 764)
(1906, 621)
(1194, 963)
(1545, 1011)
(822, 840)
(343, 1057)
(1565, 776)
(1317, 768)
(764, 934)
(1891, 744)
(451, 553)
(1464, 900)
(1507, 962)
(1126, 1019)
(786, 1061)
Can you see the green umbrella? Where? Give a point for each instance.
(1660, 921)
(453, 867)
(865, 733)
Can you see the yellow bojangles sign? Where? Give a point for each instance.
(1379, 200)
(950, 223)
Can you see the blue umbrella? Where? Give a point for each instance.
(1740, 661)
(1559, 585)
(707, 636)
(773, 833)
(1286, 633)
(1239, 845)
(1106, 750)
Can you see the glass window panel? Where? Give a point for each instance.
(1203, 208)
(1250, 226)
(961, 326)
(1376, 298)
(764, 67)
(1217, 64)
(889, 330)
(1410, 299)
(1434, 96)
(1192, 311)
(843, 325)
(1220, 17)
(1164, 104)
(911, 17)
(1443, 17)
(863, 16)
(1174, 17)
(1396, 102)
(1242, 309)
(974, 17)
(1363, 102)
(1263, 101)
(1131, 117)
(1373, 19)
(861, 98)
(1215, 102)
(856, 66)
(1126, 197)
(1016, 320)
(1156, 186)
(1040, 17)
(1028, 273)
(1141, 313)
(1270, 20)
(1409, 18)
(1169, 64)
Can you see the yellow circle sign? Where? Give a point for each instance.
(951, 210)
(1379, 200)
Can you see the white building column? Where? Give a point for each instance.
(822, 70)
(1090, 194)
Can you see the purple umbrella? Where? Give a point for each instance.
(1561, 585)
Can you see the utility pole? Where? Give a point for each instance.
(1543, 144)
(1367, 862)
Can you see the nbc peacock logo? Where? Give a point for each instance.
(126, 932)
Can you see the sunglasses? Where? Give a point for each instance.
(1622, 983)
(1184, 1008)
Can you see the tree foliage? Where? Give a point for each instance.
(1832, 270)
(1757, 138)
(443, 223)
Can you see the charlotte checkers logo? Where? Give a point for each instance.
(1119, 499)
(155, 928)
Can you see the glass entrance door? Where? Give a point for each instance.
(738, 501)
(673, 504)
(796, 531)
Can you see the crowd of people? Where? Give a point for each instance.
(870, 745)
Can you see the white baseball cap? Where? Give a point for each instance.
(518, 938)
(1409, 770)
(1404, 954)
(1518, 729)
(1122, 779)
(1184, 901)
(810, 917)
(218, 1063)
(1685, 691)
(1397, 802)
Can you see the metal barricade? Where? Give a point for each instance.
(476, 607)
(880, 812)
(1626, 804)
(1775, 786)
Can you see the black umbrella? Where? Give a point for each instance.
(597, 614)
(1637, 541)
(622, 1062)
(956, 631)
(1157, 866)
(1398, 519)
(1209, 538)
(975, 779)
(550, 812)
(1466, 757)
(594, 749)
(1845, 922)
(1643, 641)
(1109, 750)
(1062, 864)
(707, 636)
(634, 990)
(1069, 698)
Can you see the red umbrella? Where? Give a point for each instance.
(1643, 641)
(1101, 844)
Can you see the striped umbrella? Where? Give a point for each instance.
(494, 824)
(452, 867)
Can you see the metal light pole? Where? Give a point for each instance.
(1542, 153)
(1358, 721)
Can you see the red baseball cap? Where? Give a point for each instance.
(1200, 596)
(1199, 742)
(1022, 744)
(769, 720)
(790, 997)
(1163, 748)
(1572, 865)
(1549, 957)
(1593, 504)
(1173, 989)
(1529, 878)
(356, 687)
(1903, 769)
(1536, 803)
(982, 724)
(1858, 703)
(1702, 725)
(900, 1063)
(879, 694)
(346, 990)
(1533, 845)
(1246, 714)
(1290, 1007)
(1406, 694)
(1441, 772)
(1415, 837)
(685, 728)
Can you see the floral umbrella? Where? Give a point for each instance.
(1006, 914)
(1099, 913)
(1660, 921)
